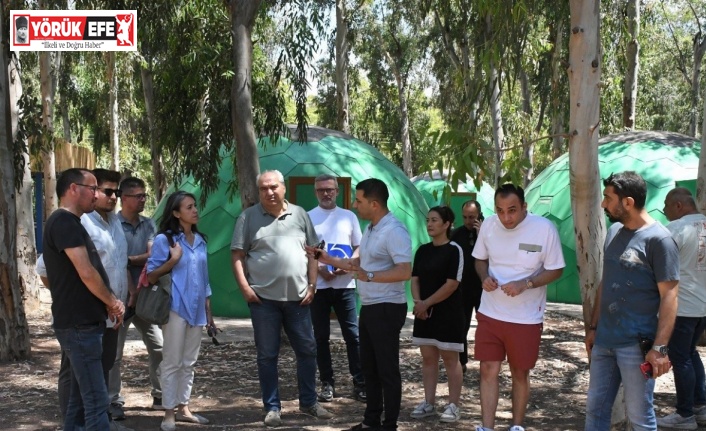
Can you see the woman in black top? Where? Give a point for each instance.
(438, 311)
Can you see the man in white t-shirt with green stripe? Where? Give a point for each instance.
(517, 255)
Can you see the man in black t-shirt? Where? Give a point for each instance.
(471, 286)
(81, 299)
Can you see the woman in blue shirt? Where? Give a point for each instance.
(190, 308)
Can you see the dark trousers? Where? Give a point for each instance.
(688, 368)
(110, 346)
(471, 301)
(380, 326)
(343, 303)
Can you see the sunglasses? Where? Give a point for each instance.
(111, 192)
(137, 196)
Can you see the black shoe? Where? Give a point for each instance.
(326, 394)
(117, 412)
(361, 427)
(157, 404)
(359, 393)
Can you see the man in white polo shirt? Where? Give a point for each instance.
(517, 255)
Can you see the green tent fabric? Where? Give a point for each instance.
(433, 189)
(661, 158)
(327, 151)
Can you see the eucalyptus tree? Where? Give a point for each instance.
(633, 63)
(392, 50)
(484, 50)
(14, 335)
(253, 107)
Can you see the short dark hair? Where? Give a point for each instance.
(326, 177)
(375, 190)
(510, 189)
(68, 177)
(628, 184)
(106, 176)
(131, 183)
(447, 215)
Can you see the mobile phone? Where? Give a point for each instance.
(319, 246)
(646, 369)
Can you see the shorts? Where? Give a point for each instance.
(520, 342)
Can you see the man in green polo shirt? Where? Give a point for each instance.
(278, 281)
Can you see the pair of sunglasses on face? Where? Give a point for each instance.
(111, 192)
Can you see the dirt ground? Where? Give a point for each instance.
(226, 388)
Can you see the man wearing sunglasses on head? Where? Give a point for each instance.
(139, 232)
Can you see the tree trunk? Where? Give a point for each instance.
(65, 121)
(404, 126)
(48, 159)
(242, 15)
(496, 117)
(159, 179)
(113, 112)
(557, 97)
(527, 145)
(699, 50)
(342, 48)
(633, 57)
(584, 99)
(26, 248)
(701, 176)
(14, 332)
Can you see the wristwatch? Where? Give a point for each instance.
(664, 350)
(370, 276)
(529, 283)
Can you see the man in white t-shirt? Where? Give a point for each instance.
(340, 230)
(688, 228)
(517, 255)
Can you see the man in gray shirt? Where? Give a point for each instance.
(278, 281)
(382, 264)
(688, 228)
(139, 233)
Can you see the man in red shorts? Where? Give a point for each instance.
(517, 255)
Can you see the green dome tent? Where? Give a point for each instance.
(661, 158)
(432, 189)
(327, 151)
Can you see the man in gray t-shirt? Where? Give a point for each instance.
(139, 233)
(278, 281)
(635, 310)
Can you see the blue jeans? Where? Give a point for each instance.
(88, 402)
(610, 367)
(343, 303)
(268, 319)
(689, 378)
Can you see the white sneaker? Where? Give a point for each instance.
(480, 428)
(451, 413)
(424, 409)
(273, 419)
(516, 428)
(677, 421)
